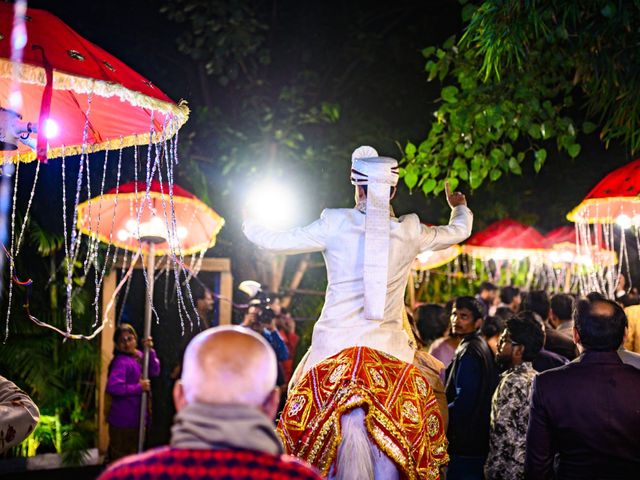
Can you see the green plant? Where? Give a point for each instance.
(523, 76)
(59, 375)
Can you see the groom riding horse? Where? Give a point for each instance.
(357, 406)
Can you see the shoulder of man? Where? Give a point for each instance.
(411, 221)
(133, 465)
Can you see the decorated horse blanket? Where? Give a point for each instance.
(401, 412)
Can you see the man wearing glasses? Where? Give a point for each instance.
(519, 344)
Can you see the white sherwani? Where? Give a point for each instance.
(339, 235)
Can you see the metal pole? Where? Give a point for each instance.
(151, 266)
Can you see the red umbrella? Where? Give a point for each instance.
(72, 72)
(113, 218)
(505, 240)
(562, 248)
(616, 198)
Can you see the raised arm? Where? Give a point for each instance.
(311, 238)
(458, 229)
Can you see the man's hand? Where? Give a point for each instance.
(454, 199)
(145, 384)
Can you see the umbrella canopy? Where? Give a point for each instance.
(123, 107)
(122, 218)
(616, 198)
(562, 248)
(505, 240)
(433, 259)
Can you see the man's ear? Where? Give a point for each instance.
(270, 406)
(179, 399)
(517, 351)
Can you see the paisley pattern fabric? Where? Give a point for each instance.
(402, 415)
(509, 420)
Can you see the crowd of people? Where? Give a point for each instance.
(506, 384)
(538, 386)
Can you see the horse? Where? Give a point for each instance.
(363, 414)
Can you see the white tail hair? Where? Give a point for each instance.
(358, 457)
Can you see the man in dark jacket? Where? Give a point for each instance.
(471, 379)
(538, 301)
(586, 413)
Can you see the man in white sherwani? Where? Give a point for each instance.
(365, 293)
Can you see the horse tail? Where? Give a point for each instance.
(355, 459)
(359, 458)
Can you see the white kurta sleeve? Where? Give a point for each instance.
(311, 238)
(443, 236)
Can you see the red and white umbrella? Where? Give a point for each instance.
(74, 93)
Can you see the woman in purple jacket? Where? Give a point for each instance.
(125, 386)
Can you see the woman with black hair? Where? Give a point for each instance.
(125, 385)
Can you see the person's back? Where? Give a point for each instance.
(344, 305)
(351, 316)
(224, 428)
(595, 415)
(587, 412)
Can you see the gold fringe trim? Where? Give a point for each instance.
(33, 75)
(575, 214)
(456, 252)
(490, 252)
(156, 195)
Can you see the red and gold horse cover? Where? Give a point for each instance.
(402, 415)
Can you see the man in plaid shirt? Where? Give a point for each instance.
(225, 401)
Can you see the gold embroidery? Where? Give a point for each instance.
(410, 412)
(401, 419)
(296, 405)
(378, 381)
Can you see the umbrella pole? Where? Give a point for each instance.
(151, 266)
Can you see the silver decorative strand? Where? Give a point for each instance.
(12, 239)
(74, 232)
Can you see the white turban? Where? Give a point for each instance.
(379, 174)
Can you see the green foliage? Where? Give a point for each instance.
(510, 85)
(58, 375)
(226, 37)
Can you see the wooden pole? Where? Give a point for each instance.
(148, 311)
(106, 352)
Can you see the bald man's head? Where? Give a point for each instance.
(231, 365)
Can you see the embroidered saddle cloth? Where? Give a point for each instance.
(401, 412)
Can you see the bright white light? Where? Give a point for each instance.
(51, 128)
(153, 228)
(123, 235)
(424, 256)
(182, 233)
(15, 100)
(272, 205)
(566, 257)
(636, 220)
(131, 225)
(623, 221)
